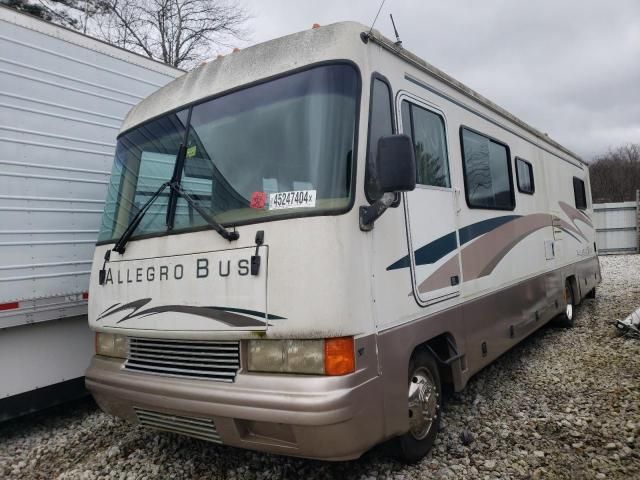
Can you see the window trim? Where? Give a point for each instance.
(412, 103)
(284, 216)
(464, 170)
(533, 183)
(377, 76)
(584, 193)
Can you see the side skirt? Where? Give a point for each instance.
(482, 329)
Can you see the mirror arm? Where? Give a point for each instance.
(369, 214)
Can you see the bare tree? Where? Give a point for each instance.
(181, 33)
(615, 176)
(74, 14)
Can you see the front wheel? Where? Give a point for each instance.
(424, 401)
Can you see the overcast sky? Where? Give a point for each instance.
(570, 68)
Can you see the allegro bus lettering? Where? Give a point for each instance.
(177, 272)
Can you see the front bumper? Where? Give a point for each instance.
(328, 418)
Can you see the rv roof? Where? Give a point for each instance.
(462, 88)
(335, 41)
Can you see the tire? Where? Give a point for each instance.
(567, 318)
(592, 293)
(424, 379)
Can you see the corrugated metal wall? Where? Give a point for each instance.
(63, 97)
(616, 227)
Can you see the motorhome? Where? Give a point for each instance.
(305, 241)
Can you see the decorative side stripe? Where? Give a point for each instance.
(474, 230)
(230, 316)
(443, 246)
(429, 253)
(255, 313)
(480, 258)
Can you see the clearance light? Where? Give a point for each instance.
(111, 345)
(315, 26)
(332, 356)
(9, 306)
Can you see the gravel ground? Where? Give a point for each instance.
(563, 404)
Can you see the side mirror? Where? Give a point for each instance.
(395, 171)
(396, 164)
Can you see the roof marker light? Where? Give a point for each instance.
(315, 26)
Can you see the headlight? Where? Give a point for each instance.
(111, 345)
(331, 356)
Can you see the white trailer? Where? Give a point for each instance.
(63, 96)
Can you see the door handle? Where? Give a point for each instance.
(456, 197)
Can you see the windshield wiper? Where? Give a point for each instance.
(226, 234)
(176, 189)
(122, 241)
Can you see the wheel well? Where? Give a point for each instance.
(575, 288)
(440, 347)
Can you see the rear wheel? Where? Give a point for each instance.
(592, 293)
(566, 318)
(424, 402)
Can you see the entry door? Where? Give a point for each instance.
(431, 208)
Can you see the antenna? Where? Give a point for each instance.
(365, 36)
(398, 41)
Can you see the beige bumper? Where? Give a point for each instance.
(329, 418)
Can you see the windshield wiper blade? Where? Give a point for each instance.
(226, 234)
(122, 241)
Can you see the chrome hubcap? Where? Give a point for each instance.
(423, 403)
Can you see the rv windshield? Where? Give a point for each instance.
(283, 147)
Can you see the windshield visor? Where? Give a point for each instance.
(283, 147)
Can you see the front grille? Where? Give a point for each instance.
(202, 428)
(219, 360)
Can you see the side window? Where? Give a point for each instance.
(380, 124)
(580, 194)
(427, 131)
(524, 174)
(487, 172)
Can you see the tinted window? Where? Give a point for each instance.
(579, 194)
(294, 134)
(524, 173)
(427, 131)
(380, 124)
(144, 160)
(487, 174)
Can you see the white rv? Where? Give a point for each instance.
(304, 240)
(63, 96)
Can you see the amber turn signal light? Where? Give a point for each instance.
(339, 357)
